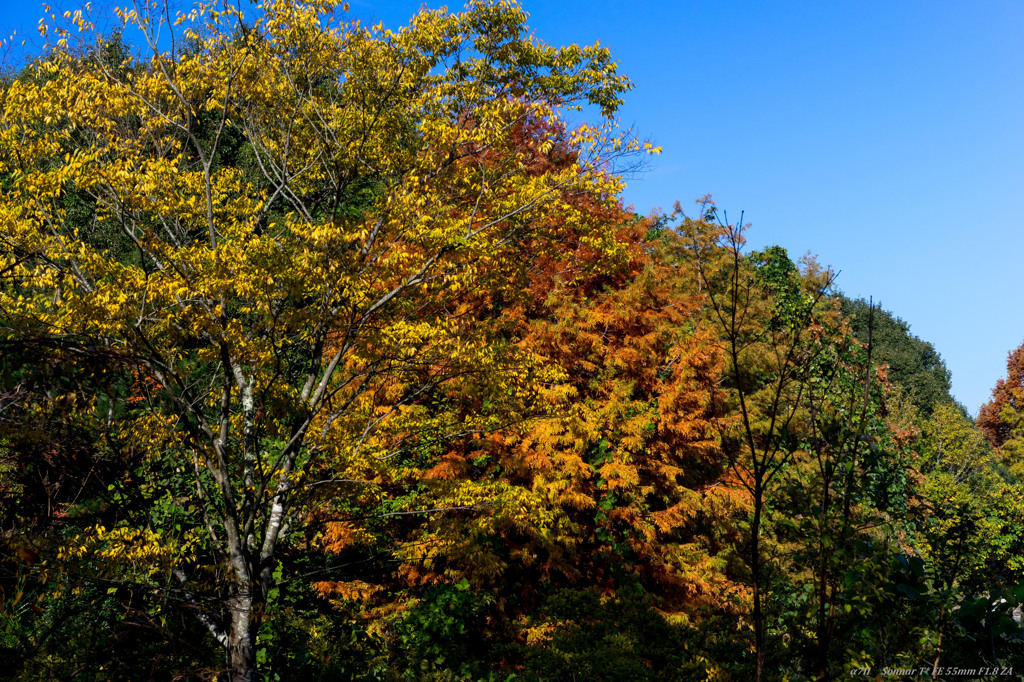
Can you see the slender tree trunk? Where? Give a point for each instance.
(942, 628)
(755, 564)
(823, 634)
(824, 641)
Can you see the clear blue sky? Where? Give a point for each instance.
(885, 137)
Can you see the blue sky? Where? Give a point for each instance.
(885, 137)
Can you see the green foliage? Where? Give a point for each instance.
(94, 633)
(914, 364)
(586, 636)
(443, 636)
(782, 283)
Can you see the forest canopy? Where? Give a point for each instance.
(331, 352)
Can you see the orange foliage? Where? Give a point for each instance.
(626, 464)
(616, 467)
(999, 417)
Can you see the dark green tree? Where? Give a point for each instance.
(914, 364)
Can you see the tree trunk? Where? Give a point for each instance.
(824, 641)
(242, 638)
(824, 574)
(755, 564)
(942, 628)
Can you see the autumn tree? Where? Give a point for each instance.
(267, 226)
(767, 319)
(617, 488)
(1000, 418)
(629, 465)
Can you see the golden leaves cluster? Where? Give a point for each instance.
(292, 182)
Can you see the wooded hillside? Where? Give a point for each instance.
(330, 352)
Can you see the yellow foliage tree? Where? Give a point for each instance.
(271, 223)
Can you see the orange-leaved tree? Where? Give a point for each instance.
(1002, 418)
(622, 481)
